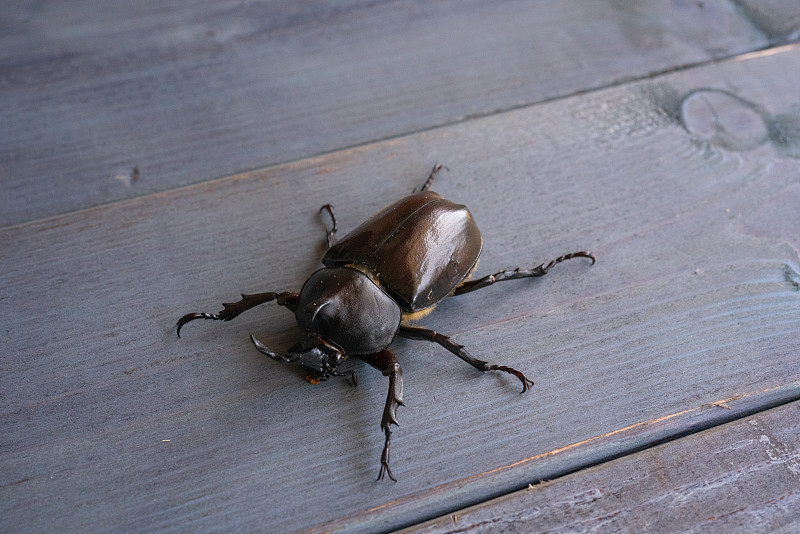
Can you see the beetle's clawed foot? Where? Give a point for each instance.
(192, 316)
(385, 471)
(582, 254)
(385, 458)
(526, 383)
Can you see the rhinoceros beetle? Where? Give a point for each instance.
(390, 270)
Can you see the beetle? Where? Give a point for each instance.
(391, 270)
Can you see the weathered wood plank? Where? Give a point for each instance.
(686, 187)
(740, 477)
(105, 103)
(778, 19)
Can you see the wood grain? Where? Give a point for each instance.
(117, 100)
(740, 477)
(778, 19)
(111, 422)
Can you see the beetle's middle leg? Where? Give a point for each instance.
(514, 274)
(386, 362)
(416, 332)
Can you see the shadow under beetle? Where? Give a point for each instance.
(393, 268)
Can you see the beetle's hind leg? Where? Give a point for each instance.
(330, 234)
(232, 310)
(416, 332)
(514, 274)
(386, 362)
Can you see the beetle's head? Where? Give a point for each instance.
(343, 308)
(317, 356)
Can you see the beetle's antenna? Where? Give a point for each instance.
(429, 182)
(330, 234)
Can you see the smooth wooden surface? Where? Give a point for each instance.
(111, 100)
(740, 477)
(684, 184)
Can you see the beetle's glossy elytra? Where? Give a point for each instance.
(399, 263)
(421, 247)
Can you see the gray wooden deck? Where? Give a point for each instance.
(161, 158)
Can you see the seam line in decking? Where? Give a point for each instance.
(766, 50)
(591, 452)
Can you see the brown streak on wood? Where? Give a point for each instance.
(767, 52)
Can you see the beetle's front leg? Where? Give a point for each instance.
(231, 310)
(416, 332)
(386, 362)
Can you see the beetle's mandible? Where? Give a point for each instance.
(388, 271)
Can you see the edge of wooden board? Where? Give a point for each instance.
(454, 496)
